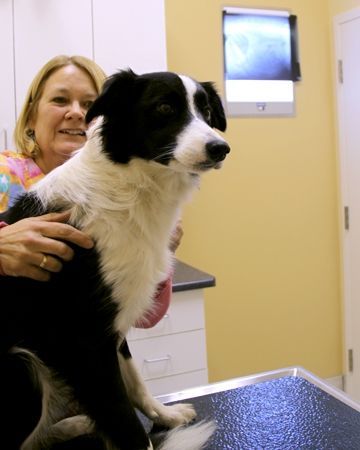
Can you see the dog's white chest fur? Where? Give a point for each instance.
(131, 214)
(133, 241)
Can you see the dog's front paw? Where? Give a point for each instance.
(172, 416)
(169, 416)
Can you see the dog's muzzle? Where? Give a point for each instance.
(216, 151)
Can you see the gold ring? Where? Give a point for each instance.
(43, 262)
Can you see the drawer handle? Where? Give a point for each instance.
(155, 360)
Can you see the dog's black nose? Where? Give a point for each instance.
(217, 150)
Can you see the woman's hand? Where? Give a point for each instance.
(34, 247)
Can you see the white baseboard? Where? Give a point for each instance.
(337, 382)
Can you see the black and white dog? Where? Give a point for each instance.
(65, 368)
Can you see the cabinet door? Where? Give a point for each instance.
(46, 28)
(7, 97)
(130, 34)
(347, 38)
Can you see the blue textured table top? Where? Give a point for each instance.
(287, 413)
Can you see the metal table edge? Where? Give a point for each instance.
(234, 383)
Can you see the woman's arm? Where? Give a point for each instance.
(2, 225)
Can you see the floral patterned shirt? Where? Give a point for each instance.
(17, 174)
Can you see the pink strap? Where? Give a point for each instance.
(162, 302)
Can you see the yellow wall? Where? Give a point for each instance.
(266, 225)
(339, 6)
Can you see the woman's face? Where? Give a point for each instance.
(59, 121)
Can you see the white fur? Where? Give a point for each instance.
(189, 438)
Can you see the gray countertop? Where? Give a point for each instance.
(187, 277)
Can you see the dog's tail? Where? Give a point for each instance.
(192, 437)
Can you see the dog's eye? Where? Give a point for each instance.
(165, 108)
(207, 114)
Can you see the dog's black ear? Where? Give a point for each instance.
(113, 93)
(218, 119)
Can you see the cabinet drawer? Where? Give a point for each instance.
(176, 383)
(170, 355)
(185, 313)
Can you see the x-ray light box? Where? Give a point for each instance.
(261, 61)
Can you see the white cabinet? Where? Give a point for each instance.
(115, 33)
(172, 355)
(7, 80)
(129, 34)
(45, 28)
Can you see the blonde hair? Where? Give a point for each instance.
(23, 136)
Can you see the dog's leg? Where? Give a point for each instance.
(53, 401)
(170, 416)
(66, 429)
(97, 383)
(20, 399)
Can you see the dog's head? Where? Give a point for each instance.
(164, 117)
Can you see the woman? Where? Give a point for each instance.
(50, 127)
